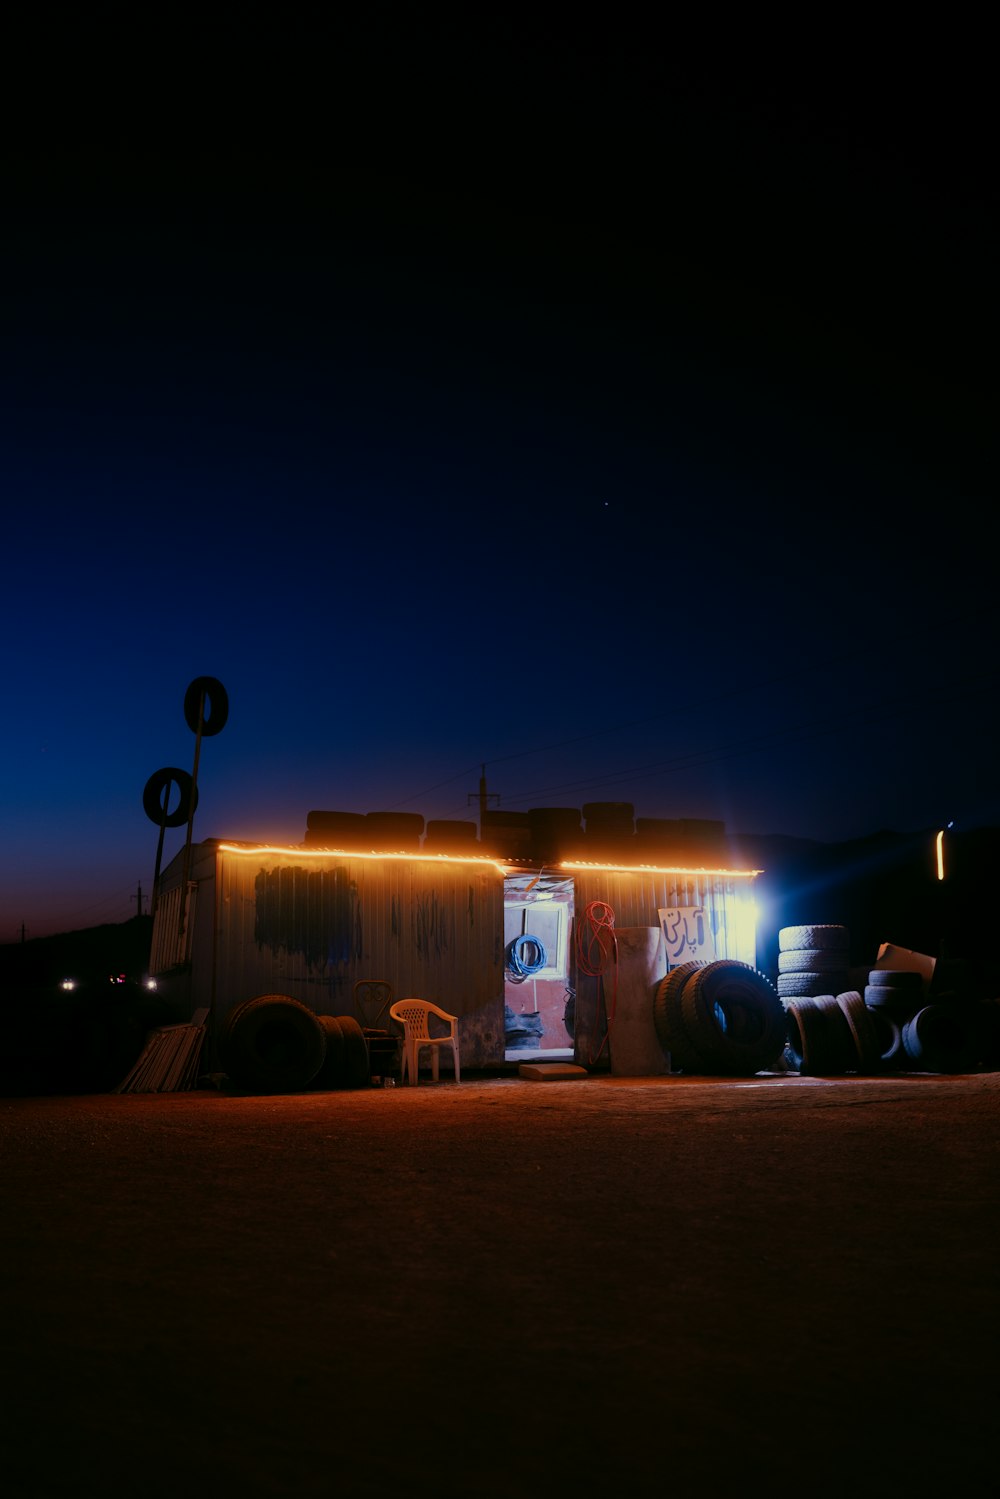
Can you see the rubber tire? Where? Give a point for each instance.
(841, 1051)
(896, 1002)
(154, 802)
(809, 985)
(669, 1021)
(890, 1037)
(357, 1063)
(735, 1018)
(896, 978)
(863, 1032)
(274, 1044)
(810, 960)
(794, 1041)
(825, 1045)
(794, 938)
(939, 1039)
(230, 1020)
(218, 699)
(333, 1073)
(805, 1036)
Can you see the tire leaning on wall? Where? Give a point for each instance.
(347, 1063)
(669, 1022)
(272, 1044)
(357, 1064)
(333, 1073)
(734, 1017)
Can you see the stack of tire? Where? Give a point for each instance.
(830, 1029)
(719, 1019)
(813, 960)
(274, 1044)
(833, 1028)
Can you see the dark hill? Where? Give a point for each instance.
(90, 955)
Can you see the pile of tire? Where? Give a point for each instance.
(944, 1037)
(893, 996)
(275, 1044)
(721, 1019)
(935, 1035)
(813, 960)
(889, 1027)
(347, 1062)
(835, 1033)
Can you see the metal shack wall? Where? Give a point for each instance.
(181, 959)
(312, 926)
(636, 897)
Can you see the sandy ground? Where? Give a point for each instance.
(504, 1288)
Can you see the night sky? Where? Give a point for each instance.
(622, 422)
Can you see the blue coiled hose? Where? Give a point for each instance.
(520, 966)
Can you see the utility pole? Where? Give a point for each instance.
(137, 897)
(485, 799)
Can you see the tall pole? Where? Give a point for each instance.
(182, 913)
(485, 797)
(159, 855)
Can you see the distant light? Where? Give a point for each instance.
(68, 984)
(150, 983)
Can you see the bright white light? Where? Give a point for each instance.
(68, 984)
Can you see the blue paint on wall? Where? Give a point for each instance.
(314, 912)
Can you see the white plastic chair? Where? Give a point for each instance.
(414, 1016)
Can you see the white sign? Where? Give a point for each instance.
(687, 935)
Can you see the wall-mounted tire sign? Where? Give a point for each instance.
(158, 793)
(206, 709)
(206, 706)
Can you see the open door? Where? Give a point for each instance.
(538, 992)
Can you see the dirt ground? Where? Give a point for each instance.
(504, 1288)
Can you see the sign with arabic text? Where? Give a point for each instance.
(687, 935)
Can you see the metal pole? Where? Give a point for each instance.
(182, 914)
(154, 899)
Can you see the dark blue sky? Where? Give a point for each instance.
(626, 427)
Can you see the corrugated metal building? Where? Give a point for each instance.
(439, 915)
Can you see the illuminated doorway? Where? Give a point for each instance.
(539, 998)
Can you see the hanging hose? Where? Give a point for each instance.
(520, 966)
(596, 951)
